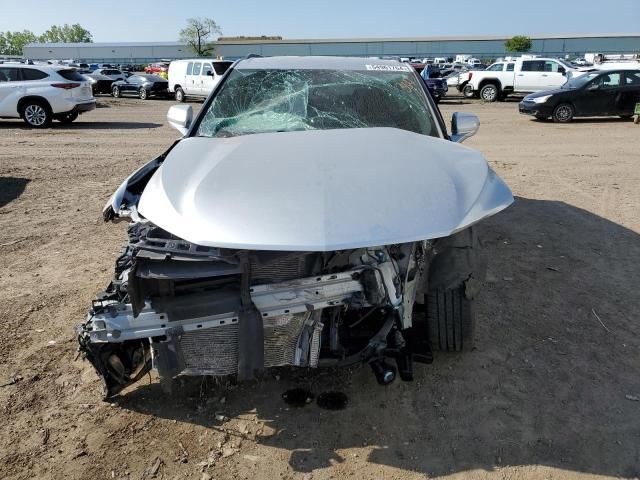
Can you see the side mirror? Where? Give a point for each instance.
(463, 126)
(180, 117)
(209, 73)
(562, 71)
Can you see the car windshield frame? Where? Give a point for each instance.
(203, 127)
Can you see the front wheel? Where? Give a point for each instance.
(489, 93)
(450, 320)
(36, 114)
(68, 118)
(115, 91)
(563, 113)
(180, 96)
(143, 94)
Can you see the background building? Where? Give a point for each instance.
(481, 47)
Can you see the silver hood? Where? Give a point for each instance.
(320, 190)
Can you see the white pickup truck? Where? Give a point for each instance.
(519, 76)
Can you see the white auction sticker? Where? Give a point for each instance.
(389, 68)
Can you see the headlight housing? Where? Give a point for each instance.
(540, 99)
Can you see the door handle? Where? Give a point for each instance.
(545, 75)
(521, 74)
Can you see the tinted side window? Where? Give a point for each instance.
(189, 68)
(510, 67)
(206, 68)
(497, 67)
(196, 68)
(71, 75)
(33, 74)
(632, 78)
(221, 67)
(9, 75)
(611, 80)
(533, 66)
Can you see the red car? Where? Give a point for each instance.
(157, 68)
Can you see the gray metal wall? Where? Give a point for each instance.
(144, 53)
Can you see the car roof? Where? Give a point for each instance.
(317, 63)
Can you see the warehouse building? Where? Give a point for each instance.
(480, 47)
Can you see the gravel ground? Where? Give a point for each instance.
(550, 391)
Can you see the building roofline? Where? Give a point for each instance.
(339, 40)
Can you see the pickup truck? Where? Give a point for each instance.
(520, 76)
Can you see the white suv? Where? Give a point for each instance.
(40, 94)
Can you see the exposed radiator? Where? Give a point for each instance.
(214, 351)
(279, 270)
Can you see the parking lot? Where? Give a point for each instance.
(550, 391)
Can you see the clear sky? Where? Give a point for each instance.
(155, 20)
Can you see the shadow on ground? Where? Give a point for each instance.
(551, 381)
(11, 188)
(83, 125)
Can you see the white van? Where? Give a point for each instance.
(196, 77)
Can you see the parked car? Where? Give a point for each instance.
(522, 76)
(608, 93)
(157, 67)
(294, 224)
(113, 73)
(99, 83)
(142, 85)
(40, 94)
(438, 87)
(196, 77)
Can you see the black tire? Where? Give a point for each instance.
(180, 96)
(36, 113)
(68, 118)
(450, 320)
(468, 91)
(541, 117)
(115, 91)
(490, 92)
(626, 116)
(143, 93)
(563, 113)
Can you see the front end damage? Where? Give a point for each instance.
(185, 309)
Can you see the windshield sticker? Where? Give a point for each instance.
(389, 68)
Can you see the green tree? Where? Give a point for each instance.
(197, 34)
(11, 43)
(519, 43)
(75, 33)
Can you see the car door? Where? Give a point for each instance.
(529, 78)
(600, 95)
(130, 85)
(553, 75)
(629, 93)
(193, 80)
(10, 88)
(207, 80)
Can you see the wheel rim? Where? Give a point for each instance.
(179, 95)
(116, 92)
(488, 93)
(35, 115)
(143, 94)
(563, 113)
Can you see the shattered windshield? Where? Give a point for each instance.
(260, 101)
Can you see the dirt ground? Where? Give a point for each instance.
(550, 391)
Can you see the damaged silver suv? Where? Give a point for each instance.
(315, 213)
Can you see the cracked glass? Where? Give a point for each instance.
(261, 101)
